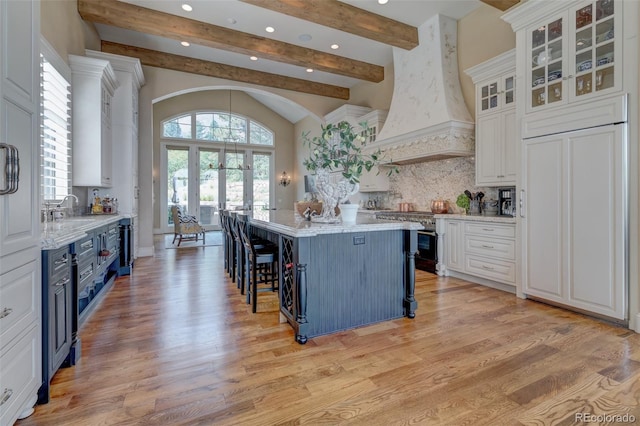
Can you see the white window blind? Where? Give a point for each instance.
(55, 132)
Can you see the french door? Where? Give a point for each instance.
(193, 180)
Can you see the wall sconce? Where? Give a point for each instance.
(285, 179)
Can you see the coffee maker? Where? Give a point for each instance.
(507, 201)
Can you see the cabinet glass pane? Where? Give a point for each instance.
(554, 92)
(583, 39)
(555, 29)
(554, 51)
(583, 84)
(537, 77)
(493, 88)
(604, 55)
(508, 83)
(538, 37)
(538, 97)
(584, 61)
(508, 97)
(493, 101)
(604, 31)
(508, 90)
(555, 71)
(485, 104)
(604, 78)
(584, 16)
(604, 9)
(485, 91)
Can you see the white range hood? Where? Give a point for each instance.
(428, 119)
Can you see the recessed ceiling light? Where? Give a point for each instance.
(187, 7)
(269, 29)
(383, 1)
(335, 46)
(231, 21)
(309, 69)
(185, 43)
(253, 58)
(304, 37)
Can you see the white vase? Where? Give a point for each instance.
(348, 213)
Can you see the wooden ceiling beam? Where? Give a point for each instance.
(149, 21)
(157, 59)
(501, 4)
(347, 18)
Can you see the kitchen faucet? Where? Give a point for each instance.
(57, 214)
(66, 197)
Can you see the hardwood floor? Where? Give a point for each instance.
(175, 344)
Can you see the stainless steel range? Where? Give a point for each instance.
(427, 255)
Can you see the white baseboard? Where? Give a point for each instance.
(635, 327)
(145, 251)
(479, 280)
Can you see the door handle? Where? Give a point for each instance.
(11, 169)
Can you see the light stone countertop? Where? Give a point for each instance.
(288, 223)
(472, 218)
(57, 234)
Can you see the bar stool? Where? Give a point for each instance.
(224, 214)
(242, 264)
(263, 260)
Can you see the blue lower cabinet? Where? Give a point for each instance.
(57, 314)
(74, 278)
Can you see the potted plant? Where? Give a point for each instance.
(339, 150)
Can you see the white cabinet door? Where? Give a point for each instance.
(20, 295)
(574, 220)
(454, 245)
(496, 144)
(94, 83)
(488, 141)
(373, 181)
(508, 148)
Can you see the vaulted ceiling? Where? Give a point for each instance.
(227, 38)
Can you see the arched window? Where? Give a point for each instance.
(218, 127)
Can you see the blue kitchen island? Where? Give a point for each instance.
(336, 277)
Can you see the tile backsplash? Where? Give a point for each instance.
(420, 183)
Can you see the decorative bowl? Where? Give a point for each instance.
(439, 206)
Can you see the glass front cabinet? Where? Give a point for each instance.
(575, 55)
(496, 94)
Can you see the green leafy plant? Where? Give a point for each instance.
(463, 202)
(341, 148)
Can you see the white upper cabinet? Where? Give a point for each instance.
(377, 179)
(124, 128)
(574, 55)
(94, 83)
(496, 135)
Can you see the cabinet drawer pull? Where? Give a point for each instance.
(86, 273)
(488, 268)
(6, 395)
(86, 244)
(487, 246)
(488, 229)
(61, 261)
(5, 312)
(62, 282)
